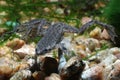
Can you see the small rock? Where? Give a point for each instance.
(84, 47)
(59, 11)
(105, 67)
(6, 66)
(84, 20)
(25, 50)
(72, 69)
(82, 53)
(117, 55)
(66, 42)
(15, 43)
(116, 52)
(39, 75)
(106, 57)
(115, 73)
(92, 44)
(53, 76)
(49, 65)
(105, 35)
(96, 33)
(29, 60)
(93, 73)
(106, 72)
(46, 9)
(4, 50)
(22, 75)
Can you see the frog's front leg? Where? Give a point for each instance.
(69, 29)
(37, 27)
(32, 28)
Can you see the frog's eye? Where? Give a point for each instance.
(37, 51)
(45, 50)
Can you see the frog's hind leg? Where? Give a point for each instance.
(111, 30)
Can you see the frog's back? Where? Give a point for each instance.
(52, 37)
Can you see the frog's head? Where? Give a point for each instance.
(41, 50)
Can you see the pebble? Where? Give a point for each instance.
(96, 33)
(39, 75)
(104, 65)
(4, 50)
(106, 69)
(49, 65)
(22, 75)
(15, 44)
(105, 35)
(25, 50)
(115, 72)
(53, 76)
(72, 69)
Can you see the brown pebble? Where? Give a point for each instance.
(49, 65)
(39, 75)
(15, 43)
(73, 69)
